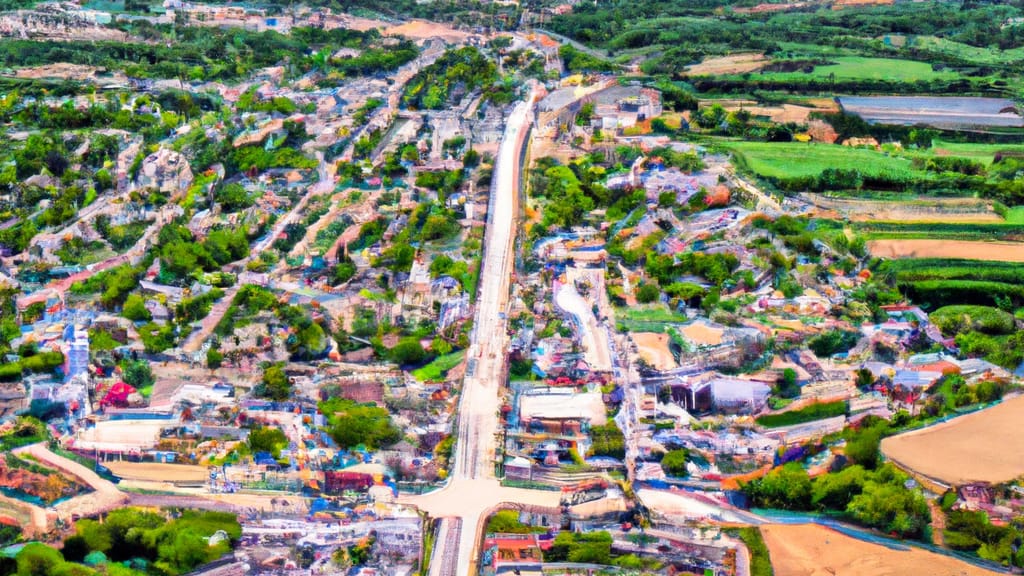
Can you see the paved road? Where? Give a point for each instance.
(473, 491)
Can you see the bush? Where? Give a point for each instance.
(674, 463)
(955, 319)
(135, 309)
(816, 411)
(648, 293)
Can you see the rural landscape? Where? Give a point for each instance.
(461, 287)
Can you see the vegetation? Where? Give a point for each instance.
(816, 411)
(876, 499)
(351, 424)
(760, 560)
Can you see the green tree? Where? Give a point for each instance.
(648, 293)
(135, 309)
(274, 384)
(137, 373)
(267, 439)
(408, 351)
(37, 559)
(674, 463)
(351, 424)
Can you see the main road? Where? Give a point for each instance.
(473, 491)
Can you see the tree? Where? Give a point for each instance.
(863, 446)
(267, 439)
(214, 358)
(275, 384)
(37, 559)
(408, 351)
(648, 293)
(351, 424)
(138, 373)
(788, 488)
(234, 197)
(674, 463)
(135, 309)
(787, 386)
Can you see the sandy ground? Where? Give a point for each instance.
(998, 251)
(732, 64)
(812, 550)
(989, 440)
(157, 471)
(421, 30)
(653, 347)
(956, 210)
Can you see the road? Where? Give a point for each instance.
(324, 185)
(473, 491)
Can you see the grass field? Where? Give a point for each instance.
(989, 440)
(796, 159)
(436, 370)
(983, 153)
(860, 68)
(970, 53)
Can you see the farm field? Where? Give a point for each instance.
(813, 550)
(988, 439)
(157, 472)
(925, 248)
(860, 68)
(983, 153)
(968, 52)
(948, 210)
(732, 64)
(797, 159)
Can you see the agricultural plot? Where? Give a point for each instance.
(786, 160)
(984, 153)
(860, 68)
(988, 439)
(967, 52)
(930, 248)
(942, 281)
(812, 550)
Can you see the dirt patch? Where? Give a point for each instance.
(158, 472)
(951, 210)
(994, 251)
(813, 550)
(653, 348)
(732, 64)
(422, 30)
(989, 440)
(61, 70)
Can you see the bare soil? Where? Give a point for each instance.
(732, 64)
(984, 446)
(158, 472)
(923, 248)
(653, 347)
(813, 550)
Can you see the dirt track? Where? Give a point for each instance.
(989, 440)
(812, 550)
(998, 251)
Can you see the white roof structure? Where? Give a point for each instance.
(563, 405)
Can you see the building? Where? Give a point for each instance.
(76, 342)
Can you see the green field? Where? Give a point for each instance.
(860, 68)
(795, 159)
(983, 153)
(970, 53)
(436, 370)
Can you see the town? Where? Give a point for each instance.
(510, 288)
